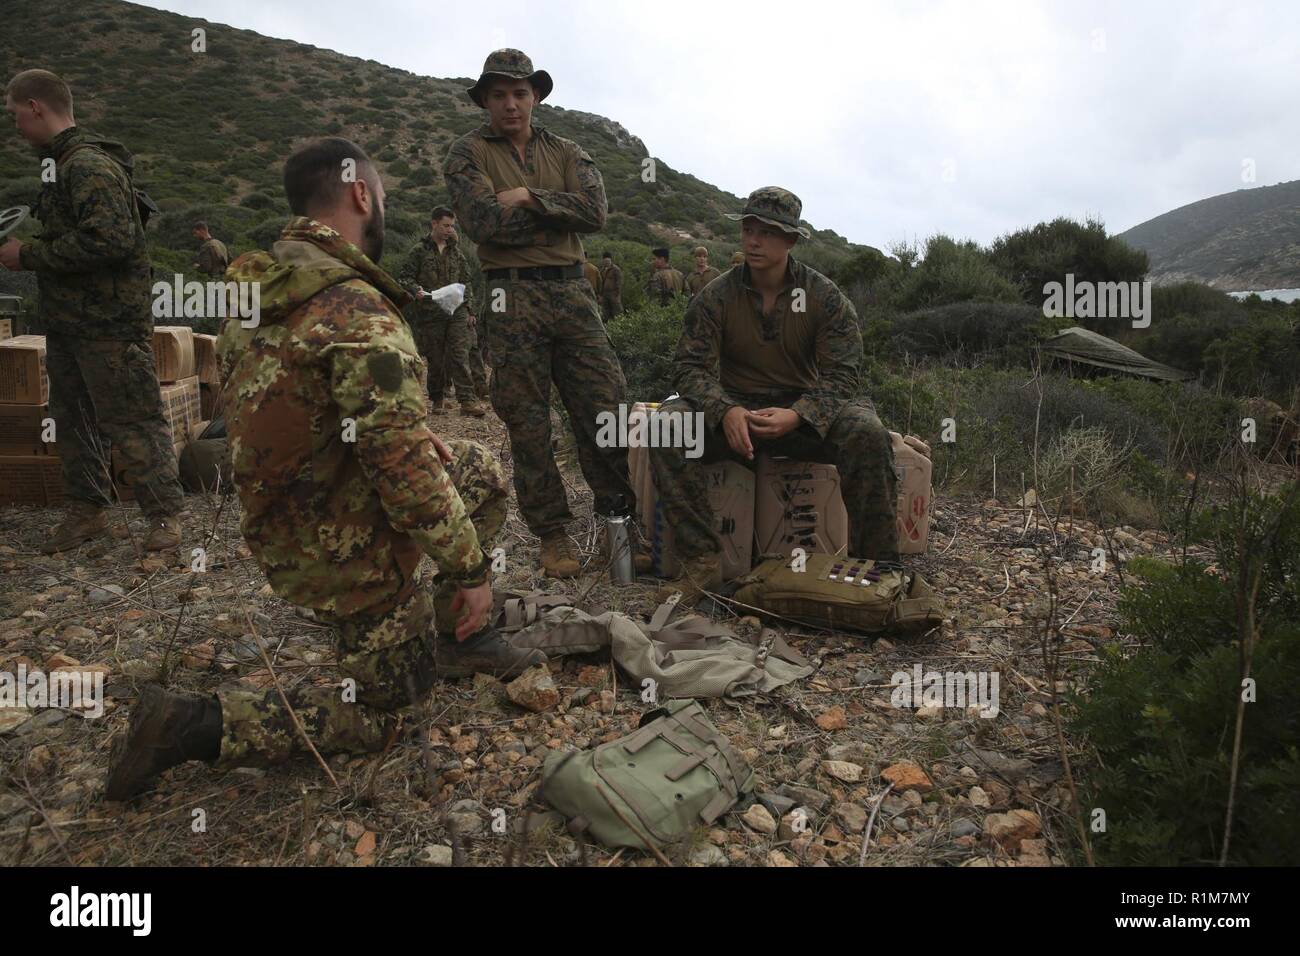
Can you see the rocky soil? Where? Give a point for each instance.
(962, 789)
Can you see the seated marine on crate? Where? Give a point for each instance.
(770, 355)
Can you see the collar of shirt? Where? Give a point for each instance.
(789, 281)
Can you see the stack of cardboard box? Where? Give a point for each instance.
(29, 458)
(205, 366)
(781, 505)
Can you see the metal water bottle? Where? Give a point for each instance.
(619, 542)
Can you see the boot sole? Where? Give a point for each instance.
(123, 765)
(51, 548)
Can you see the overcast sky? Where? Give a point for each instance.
(892, 121)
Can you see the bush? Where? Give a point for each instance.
(950, 272)
(1031, 258)
(645, 340)
(1162, 719)
(969, 331)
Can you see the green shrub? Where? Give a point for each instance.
(645, 340)
(1162, 717)
(1031, 258)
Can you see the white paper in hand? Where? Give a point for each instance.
(449, 297)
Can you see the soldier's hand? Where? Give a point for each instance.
(772, 423)
(443, 451)
(9, 255)
(472, 321)
(519, 196)
(476, 604)
(735, 425)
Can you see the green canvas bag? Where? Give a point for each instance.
(842, 593)
(652, 787)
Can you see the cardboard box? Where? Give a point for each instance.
(197, 429)
(31, 480)
(22, 371)
(6, 328)
(181, 407)
(798, 505)
(22, 427)
(915, 493)
(210, 404)
(173, 352)
(205, 359)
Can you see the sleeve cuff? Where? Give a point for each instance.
(476, 576)
(809, 412)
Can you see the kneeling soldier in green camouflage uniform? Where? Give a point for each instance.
(92, 266)
(343, 489)
(770, 353)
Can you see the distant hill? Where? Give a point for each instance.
(1242, 240)
(210, 130)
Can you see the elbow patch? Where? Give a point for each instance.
(386, 370)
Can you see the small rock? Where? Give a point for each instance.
(842, 770)
(105, 594)
(435, 854)
(13, 717)
(963, 827)
(75, 632)
(929, 713)
(759, 819)
(852, 816)
(1009, 829)
(777, 858)
(832, 719)
(978, 797)
(805, 796)
(1034, 853)
(854, 753)
(907, 775)
(354, 830)
(777, 804)
(366, 845)
(707, 855)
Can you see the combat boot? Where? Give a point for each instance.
(164, 534)
(486, 652)
(559, 556)
(166, 730)
(472, 408)
(694, 577)
(83, 521)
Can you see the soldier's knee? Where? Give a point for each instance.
(860, 428)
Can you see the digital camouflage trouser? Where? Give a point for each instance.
(857, 444)
(477, 361)
(390, 654)
(610, 306)
(104, 397)
(550, 331)
(444, 341)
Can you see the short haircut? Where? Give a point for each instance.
(313, 174)
(441, 212)
(662, 253)
(42, 86)
(609, 256)
(700, 251)
(199, 225)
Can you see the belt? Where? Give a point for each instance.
(547, 273)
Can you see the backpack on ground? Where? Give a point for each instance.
(652, 787)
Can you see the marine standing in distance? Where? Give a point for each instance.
(212, 258)
(665, 282)
(702, 274)
(611, 287)
(443, 339)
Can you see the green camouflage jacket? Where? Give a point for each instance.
(91, 259)
(341, 487)
(428, 269)
(212, 258)
(806, 355)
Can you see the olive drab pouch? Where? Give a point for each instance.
(653, 787)
(841, 593)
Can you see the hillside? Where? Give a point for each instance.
(210, 130)
(1239, 241)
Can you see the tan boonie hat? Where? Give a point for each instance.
(515, 65)
(776, 207)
